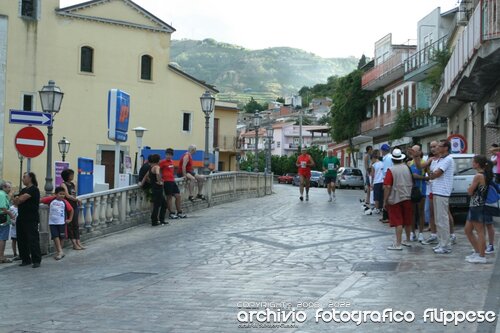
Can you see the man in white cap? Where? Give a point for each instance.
(398, 182)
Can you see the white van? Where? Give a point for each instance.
(464, 173)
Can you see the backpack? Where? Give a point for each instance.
(491, 205)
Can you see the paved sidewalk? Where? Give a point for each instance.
(201, 273)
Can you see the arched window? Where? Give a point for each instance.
(87, 59)
(146, 67)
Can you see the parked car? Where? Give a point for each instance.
(317, 179)
(350, 177)
(286, 178)
(296, 180)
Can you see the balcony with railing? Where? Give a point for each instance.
(427, 125)
(387, 71)
(227, 143)
(475, 60)
(416, 67)
(379, 125)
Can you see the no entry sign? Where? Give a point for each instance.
(30, 142)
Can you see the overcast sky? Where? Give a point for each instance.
(328, 28)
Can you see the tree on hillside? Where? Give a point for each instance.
(349, 108)
(253, 106)
(280, 100)
(362, 62)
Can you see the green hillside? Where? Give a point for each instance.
(240, 73)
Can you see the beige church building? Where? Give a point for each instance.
(88, 49)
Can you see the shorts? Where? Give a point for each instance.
(330, 179)
(4, 232)
(57, 230)
(305, 173)
(477, 214)
(400, 213)
(171, 188)
(378, 192)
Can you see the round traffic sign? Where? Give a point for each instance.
(458, 143)
(30, 142)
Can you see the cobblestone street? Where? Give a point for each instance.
(201, 273)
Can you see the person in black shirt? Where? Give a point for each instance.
(28, 239)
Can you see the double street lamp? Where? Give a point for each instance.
(256, 125)
(63, 147)
(51, 97)
(207, 101)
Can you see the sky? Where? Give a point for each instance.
(327, 28)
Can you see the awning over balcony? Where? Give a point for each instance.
(357, 140)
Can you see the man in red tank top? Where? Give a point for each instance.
(169, 185)
(304, 164)
(186, 170)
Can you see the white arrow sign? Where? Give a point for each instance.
(30, 118)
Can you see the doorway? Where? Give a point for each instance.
(108, 160)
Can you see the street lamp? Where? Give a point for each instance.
(256, 124)
(139, 133)
(269, 134)
(63, 147)
(51, 97)
(207, 106)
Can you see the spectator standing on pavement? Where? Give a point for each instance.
(477, 218)
(377, 182)
(59, 208)
(142, 173)
(28, 238)
(304, 164)
(13, 235)
(419, 175)
(5, 216)
(442, 185)
(495, 159)
(330, 166)
(387, 163)
(154, 178)
(367, 163)
(397, 193)
(186, 170)
(169, 185)
(70, 194)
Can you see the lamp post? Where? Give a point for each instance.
(256, 125)
(63, 147)
(51, 97)
(21, 158)
(207, 101)
(269, 134)
(139, 133)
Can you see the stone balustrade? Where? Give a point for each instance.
(114, 210)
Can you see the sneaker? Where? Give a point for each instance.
(181, 215)
(436, 247)
(163, 222)
(442, 250)
(155, 224)
(474, 254)
(431, 240)
(301, 198)
(413, 238)
(16, 258)
(201, 196)
(489, 249)
(172, 216)
(394, 247)
(190, 198)
(406, 243)
(376, 211)
(453, 239)
(420, 237)
(368, 211)
(59, 256)
(477, 260)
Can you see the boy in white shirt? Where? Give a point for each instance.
(58, 207)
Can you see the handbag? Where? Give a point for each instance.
(416, 194)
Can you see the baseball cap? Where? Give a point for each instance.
(385, 147)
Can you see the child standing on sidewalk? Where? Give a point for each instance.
(58, 206)
(13, 235)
